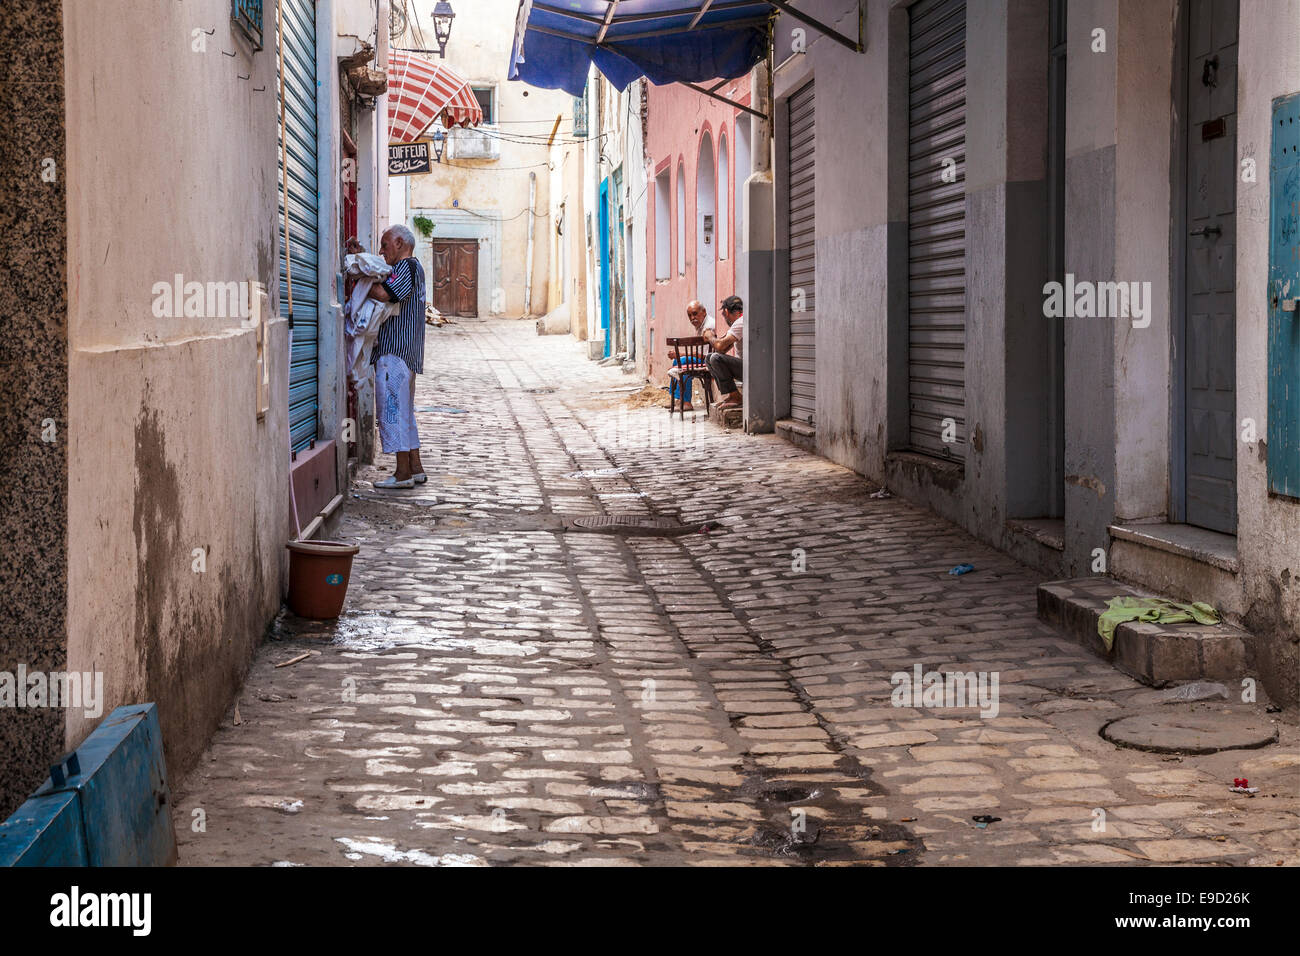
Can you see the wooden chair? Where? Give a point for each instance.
(694, 352)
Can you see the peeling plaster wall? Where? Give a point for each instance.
(171, 169)
(1090, 210)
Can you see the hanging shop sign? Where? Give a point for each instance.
(408, 159)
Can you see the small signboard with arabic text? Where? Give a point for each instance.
(408, 159)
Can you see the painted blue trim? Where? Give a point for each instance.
(300, 87)
(604, 261)
(105, 804)
(1284, 285)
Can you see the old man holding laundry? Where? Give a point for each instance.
(399, 356)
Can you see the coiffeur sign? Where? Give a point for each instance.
(407, 159)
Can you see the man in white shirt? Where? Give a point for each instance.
(727, 368)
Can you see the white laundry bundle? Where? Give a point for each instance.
(362, 315)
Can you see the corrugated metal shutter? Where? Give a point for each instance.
(803, 272)
(304, 204)
(936, 233)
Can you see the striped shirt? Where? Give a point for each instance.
(403, 334)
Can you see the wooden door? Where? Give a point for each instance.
(455, 277)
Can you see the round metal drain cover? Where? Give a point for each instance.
(630, 524)
(1191, 733)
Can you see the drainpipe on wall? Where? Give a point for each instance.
(378, 222)
(380, 219)
(532, 202)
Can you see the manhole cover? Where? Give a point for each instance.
(539, 390)
(631, 525)
(1190, 733)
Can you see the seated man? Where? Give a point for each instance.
(727, 369)
(704, 326)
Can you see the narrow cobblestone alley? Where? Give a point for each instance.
(505, 688)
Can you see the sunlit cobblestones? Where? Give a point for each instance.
(502, 690)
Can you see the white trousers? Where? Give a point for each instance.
(395, 405)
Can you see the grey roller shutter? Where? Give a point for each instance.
(304, 207)
(936, 226)
(803, 272)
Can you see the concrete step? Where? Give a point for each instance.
(800, 434)
(726, 417)
(1155, 654)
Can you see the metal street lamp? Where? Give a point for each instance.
(439, 143)
(442, 17)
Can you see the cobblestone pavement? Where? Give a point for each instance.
(501, 690)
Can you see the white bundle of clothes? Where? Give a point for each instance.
(363, 315)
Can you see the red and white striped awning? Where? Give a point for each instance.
(419, 91)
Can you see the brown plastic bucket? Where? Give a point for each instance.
(318, 577)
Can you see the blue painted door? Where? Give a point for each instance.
(1284, 300)
(304, 208)
(604, 262)
(618, 267)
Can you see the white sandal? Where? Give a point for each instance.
(392, 482)
(420, 479)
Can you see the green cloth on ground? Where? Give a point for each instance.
(1121, 610)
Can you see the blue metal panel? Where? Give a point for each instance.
(108, 805)
(44, 831)
(1283, 293)
(617, 267)
(300, 87)
(604, 261)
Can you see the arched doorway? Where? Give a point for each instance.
(706, 224)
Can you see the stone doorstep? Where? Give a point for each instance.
(728, 418)
(1155, 654)
(799, 434)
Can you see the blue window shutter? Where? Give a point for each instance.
(1283, 291)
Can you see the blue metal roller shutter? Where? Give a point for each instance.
(304, 205)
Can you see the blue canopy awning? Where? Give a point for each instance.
(666, 41)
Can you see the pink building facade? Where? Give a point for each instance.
(694, 146)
